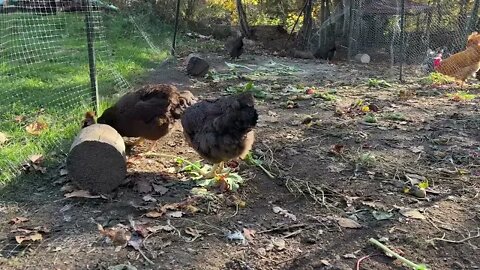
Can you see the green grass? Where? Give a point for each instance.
(44, 74)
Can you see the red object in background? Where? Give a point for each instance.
(437, 61)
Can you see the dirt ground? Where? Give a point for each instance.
(340, 179)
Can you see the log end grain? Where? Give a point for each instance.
(97, 161)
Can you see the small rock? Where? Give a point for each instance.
(196, 66)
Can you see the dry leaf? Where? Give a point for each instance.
(249, 234)
(30, 237)
(81, 194)
(412, 213)
(63, 172)
(175, 214)
(279, 243)
(157, 228)
(36, 159)
(191, 209)
(149, 198)
(348, 223)
(154, 214)
(160, 189)
(19, 118)
(417, 149)
(143, 186)
(36, 128)
(119, 236)
(41, 169)
(17, 220)
(3, 138)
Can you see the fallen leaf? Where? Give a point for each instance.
(249, 234)
(17, 220)
(349, 256)
(143, 186)
(337, 149)
(149, 198)
(19, 118)
(348, 223)
(414, 178)
(412, 213)
(36, 159)
(191, 209)
(157, 228)
(160, 189)
(81, 194)
(381, 215)
(279, 243)
(175, 214)
(30, 237)
(40, 169)
(135, 242)
(67, 188)
(417, 149)
(36, 127)
(154, 214)
(3, 138)
(122, 267)
(63, 172)
(118, 235)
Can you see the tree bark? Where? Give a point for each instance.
(306, 30)
(242, 20)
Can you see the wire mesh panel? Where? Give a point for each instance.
(45, 80)
(430, 27)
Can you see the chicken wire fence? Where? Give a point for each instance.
(48, 74)
(428, 29)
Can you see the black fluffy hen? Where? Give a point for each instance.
(221, 129)
(234, 46)
(149, 112)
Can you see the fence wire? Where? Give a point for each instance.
(44, 73)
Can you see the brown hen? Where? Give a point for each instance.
(464, 64)
(474, 39)
(221, 129)
(148, 113)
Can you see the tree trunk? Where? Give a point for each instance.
(242, 20)
(306, 30)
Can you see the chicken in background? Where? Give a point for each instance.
(432, 60)
(234, 45)
(473, 39)
(464, 64)
(89, 119)
(221, 129)
(148, 113)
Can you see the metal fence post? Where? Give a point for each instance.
(350, 30)
(89, 25)
(177, 14)
(402, 38)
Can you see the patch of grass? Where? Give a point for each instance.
(395, 116)
(461, 96)
(44, 73)
(436, 78)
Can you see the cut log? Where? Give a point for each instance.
(362, 58)
(97, 161)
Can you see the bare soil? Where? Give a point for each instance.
(333, 167)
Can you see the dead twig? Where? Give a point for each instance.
(285, 228)
(470, 237)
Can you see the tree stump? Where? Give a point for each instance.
(196, 66)
(97, 161)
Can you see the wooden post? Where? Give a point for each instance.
(174, 41)
(91, 55)
(402, 38)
